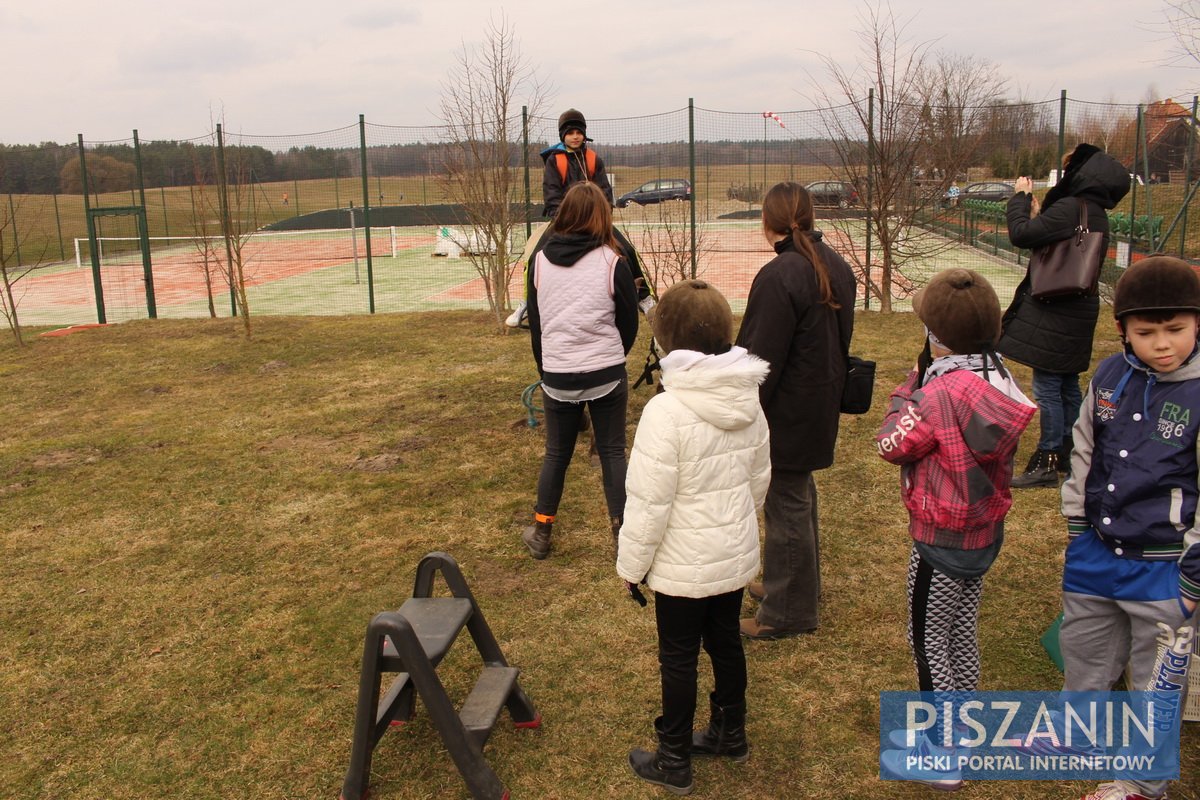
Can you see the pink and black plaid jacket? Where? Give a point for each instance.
(954, 439)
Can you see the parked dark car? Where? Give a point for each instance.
(995, 191)
(833, 193)
(657, 191)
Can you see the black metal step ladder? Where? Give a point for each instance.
(411, 642)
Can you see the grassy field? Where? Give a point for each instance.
(197, 529)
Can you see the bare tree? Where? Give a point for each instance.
(238, 224)
(14, 265)
(665, 246)
(203, 239)
(1182, 23)
(925, 126)
(480, 108)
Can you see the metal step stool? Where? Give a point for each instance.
(411, 642)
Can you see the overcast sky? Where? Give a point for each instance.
(302, 66)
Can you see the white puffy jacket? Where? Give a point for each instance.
(698, 474)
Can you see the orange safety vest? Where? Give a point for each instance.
(589, 157)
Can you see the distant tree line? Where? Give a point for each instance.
(1019, 139)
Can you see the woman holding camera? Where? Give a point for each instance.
(1054, 336)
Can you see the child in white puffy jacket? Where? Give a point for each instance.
(698, 474)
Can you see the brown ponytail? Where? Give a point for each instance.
(788, 211)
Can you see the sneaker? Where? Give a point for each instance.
(938, 772)
(1114, 791)
(515, 318)
(1044, 744)
(647, 303)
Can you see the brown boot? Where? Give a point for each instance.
(537, 536)
(756, 591)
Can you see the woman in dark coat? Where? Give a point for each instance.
(799, 318)
(1054, 337)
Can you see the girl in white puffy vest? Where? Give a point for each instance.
(583, 318)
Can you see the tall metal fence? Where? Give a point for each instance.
(358, 219)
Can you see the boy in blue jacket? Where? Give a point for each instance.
(1132, 575)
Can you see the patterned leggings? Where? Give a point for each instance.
(942, 617)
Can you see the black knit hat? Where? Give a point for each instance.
(692, 315)
(1158, 283)
(569, 120)
(961, 309)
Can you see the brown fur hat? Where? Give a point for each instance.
(961, 309)
(692, 315)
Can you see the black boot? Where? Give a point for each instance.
(726, 734)
(670, 767)
(537, 538)
(1042, 471)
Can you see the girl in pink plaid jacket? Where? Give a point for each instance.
(953, 427)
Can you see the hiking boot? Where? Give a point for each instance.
(726, 733)
(752, 629)
(1042, 471)
(757, 591)
(670, 767)
(1113, 791)
(537, 536)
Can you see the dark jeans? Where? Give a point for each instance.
(562, 430)
(684, 624)
(791, 553)
(1058, 398)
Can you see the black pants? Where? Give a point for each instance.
(684, 624)
(562, 430)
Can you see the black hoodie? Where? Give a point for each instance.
(565, 250)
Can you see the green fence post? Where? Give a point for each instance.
(12, 214)
(1137, 154)
(143, 225)
(226, 223)
(97, 286)
(296, 196)
(692, 173)
(1150, 233)
(162, 193)
(362, 149)
(1062, 130)
(870, 185)
(1187, 172)
(62, 253)
(525, 163)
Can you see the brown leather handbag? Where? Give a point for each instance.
(1069, 267)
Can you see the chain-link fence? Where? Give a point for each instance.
(363, 218)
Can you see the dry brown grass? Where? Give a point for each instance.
(198, 528)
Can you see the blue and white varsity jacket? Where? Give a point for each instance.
(1135, 478)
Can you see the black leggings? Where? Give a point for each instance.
(562, 430)
(684, 625)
